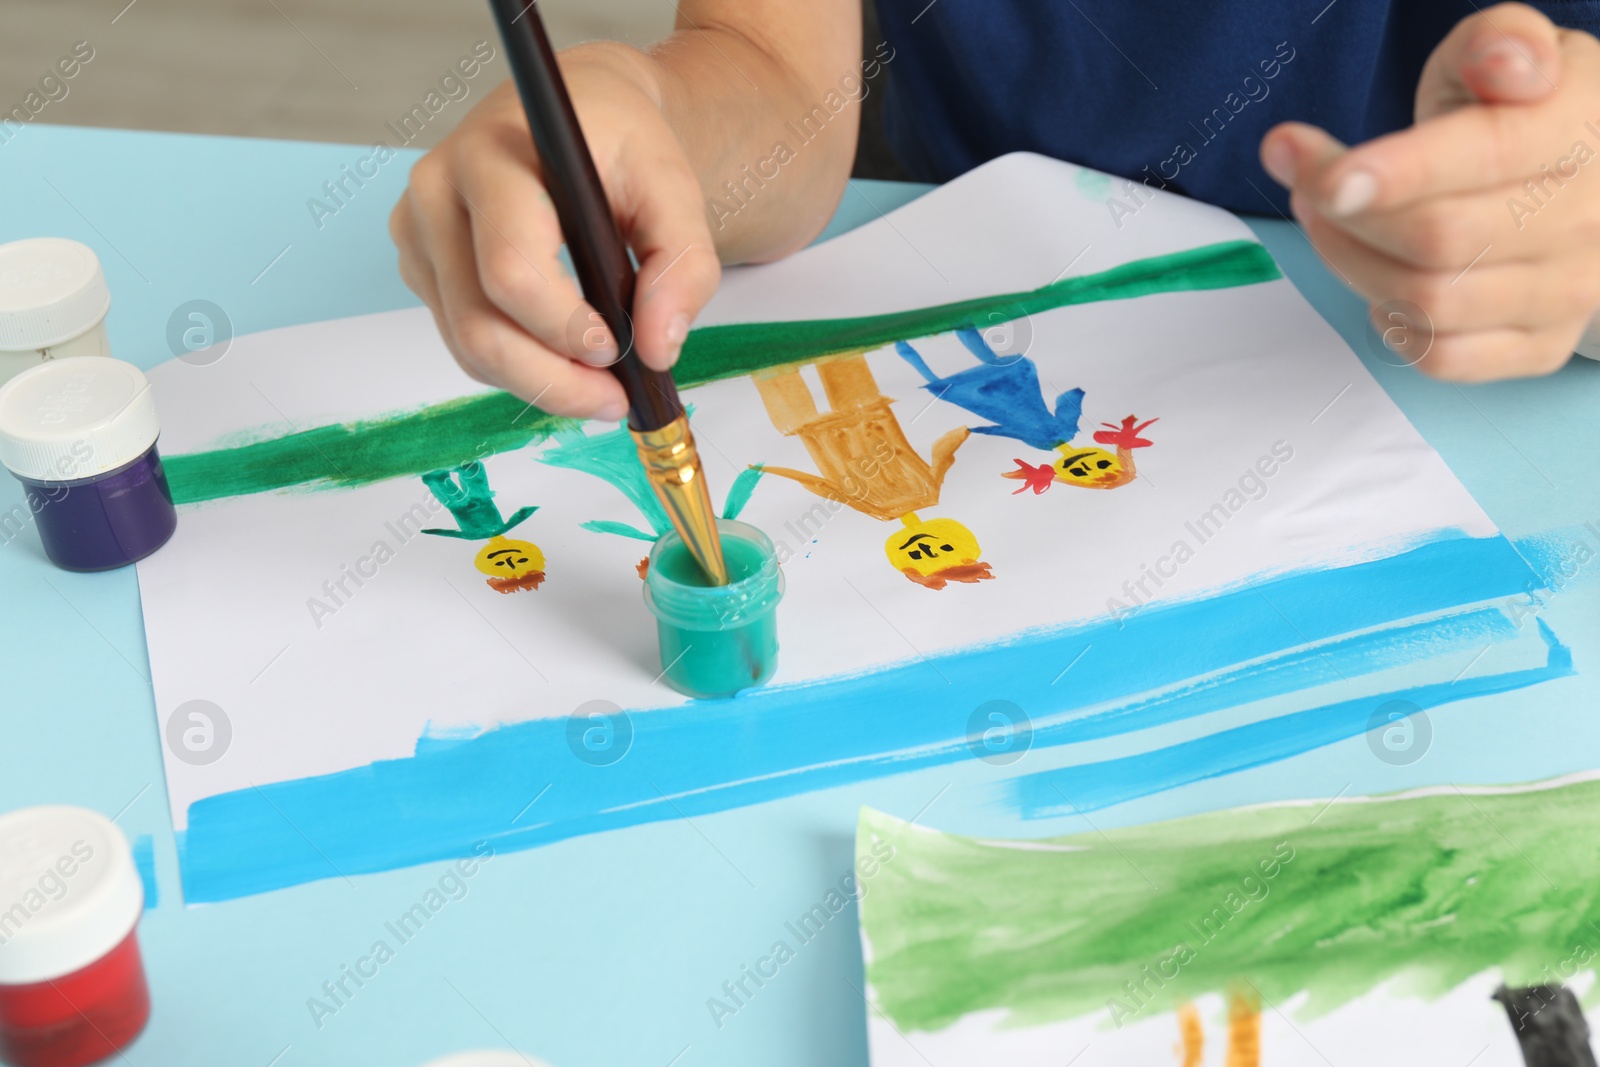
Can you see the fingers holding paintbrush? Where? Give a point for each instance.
(480, 242)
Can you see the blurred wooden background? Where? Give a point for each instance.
(317, 70)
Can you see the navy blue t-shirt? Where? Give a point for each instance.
(1176, 93)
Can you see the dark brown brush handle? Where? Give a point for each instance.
(599, 256)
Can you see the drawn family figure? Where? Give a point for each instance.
(865, 462)
(1006, 391)
(511, 565)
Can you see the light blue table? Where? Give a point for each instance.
(601, 950)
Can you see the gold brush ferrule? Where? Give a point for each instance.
(672, 465)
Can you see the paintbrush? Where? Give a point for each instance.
(656, 417)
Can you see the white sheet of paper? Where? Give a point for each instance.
(425, 646)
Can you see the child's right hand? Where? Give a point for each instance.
(479, 240)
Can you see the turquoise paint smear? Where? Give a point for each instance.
(717, 754)
(740, 491)
(1092, 786)
(144, 858)
(613, 457)
(620, 529)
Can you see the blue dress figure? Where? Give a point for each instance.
(1006, 391)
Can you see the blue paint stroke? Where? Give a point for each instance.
(1560, 558)
(1092, 786)
(1291, 672)
(437, 738)
(712, 755)
(144, 858)
(1004, 390)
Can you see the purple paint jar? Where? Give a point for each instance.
(80, 435)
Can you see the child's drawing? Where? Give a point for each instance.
(1006, 391)
(1383, 926)
(1332, 579)
(865, 462)
(511, 566)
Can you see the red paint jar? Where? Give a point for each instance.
(72, 985)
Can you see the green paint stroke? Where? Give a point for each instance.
(396, 445)
(714, 352)
(1426, 891)
(444, 435)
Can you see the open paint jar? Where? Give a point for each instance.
(716, 639)
(80, 435)
(72, 984)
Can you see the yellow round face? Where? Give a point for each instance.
(505, 558)
(931, 546)
(1087, 466)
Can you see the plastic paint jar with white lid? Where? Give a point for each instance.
(80, 435)
(53, 303)
(72, 982)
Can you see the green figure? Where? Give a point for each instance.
(465, 491)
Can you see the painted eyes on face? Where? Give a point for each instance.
(1079, 470)
(926, 551)
(511, 564)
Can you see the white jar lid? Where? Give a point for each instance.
(75, 418)
(69, 892)
(486, 1058)
(51, 290)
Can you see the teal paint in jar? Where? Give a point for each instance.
(716, 640)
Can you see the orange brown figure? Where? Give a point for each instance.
(864, 461)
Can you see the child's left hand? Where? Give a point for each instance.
(1442, 214)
